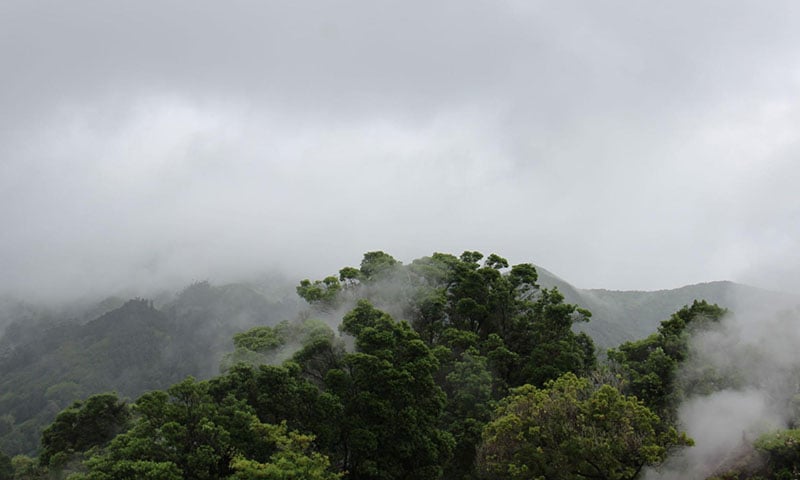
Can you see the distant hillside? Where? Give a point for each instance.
(47, 362)
(619, 316)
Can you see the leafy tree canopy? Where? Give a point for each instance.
(572, 430)
(525, 329)
(6, 468)
(264, 344)
(85, 424)
(649, 365)
(185, 433)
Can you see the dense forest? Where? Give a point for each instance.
(449, 367)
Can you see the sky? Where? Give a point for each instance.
(622, 145)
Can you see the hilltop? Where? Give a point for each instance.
(620, 315)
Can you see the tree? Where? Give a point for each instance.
(276, 344)
(375, 263)
(572, 430)
(469, 407)
(279, 394)
(188, 433)
(543, 338)
(321, 293)
(515, 333)
(350, 277)
(391, 403)
(85, 424)
(160, 444)
(782, 448)
(26, 468)
(293, 460)
(6, 469)
(179, 433)
(649, 365)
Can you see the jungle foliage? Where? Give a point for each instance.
(450, 367)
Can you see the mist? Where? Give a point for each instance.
(748, 367)
(622, 146)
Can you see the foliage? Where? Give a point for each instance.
(27, 468)
(436, 363)
(279, 394)
(546, 343)
(571, 430)
(185, 433)
(468, 386)
(322, 293)
(488, 324)
(376, 263)
(178, 431)
(527, 330)
(783, 453)
(650, 364)
(375, 412)
(85, 424)
(391, 402)
(129, 347)
(6, 469)
(265, 344)
(293, 460)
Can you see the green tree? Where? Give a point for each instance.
(350, 277)
(276, 344)
(572, 430)
(26, 468)
(293, 460)
(187, 433)
(279, 394)
(180, 433)
(783, 453)
(85, 424)
(376, 263)
(468, 385)
(544, 340)
(391, 402)
(515, 333)
(649, 365)
(321, 293)
(6, 469)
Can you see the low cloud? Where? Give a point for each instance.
(621, 146)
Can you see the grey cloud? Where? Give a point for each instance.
(620, 145)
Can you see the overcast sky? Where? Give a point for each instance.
(622, 145)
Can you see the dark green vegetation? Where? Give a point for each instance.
(454, 367)
(573, 429)
(650, 364)
(47, 361)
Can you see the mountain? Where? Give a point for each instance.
(619, 316)
(49, 358)
(47, 362)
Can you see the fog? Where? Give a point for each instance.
(753, 363)
(623, 146)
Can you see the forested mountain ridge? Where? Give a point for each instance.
(622, 315)
(47, 363)
(432, 353)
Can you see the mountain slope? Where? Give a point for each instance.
(619, 316)
(46, 365)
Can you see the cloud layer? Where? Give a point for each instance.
(622, 146)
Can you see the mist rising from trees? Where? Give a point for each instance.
(741, 379)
